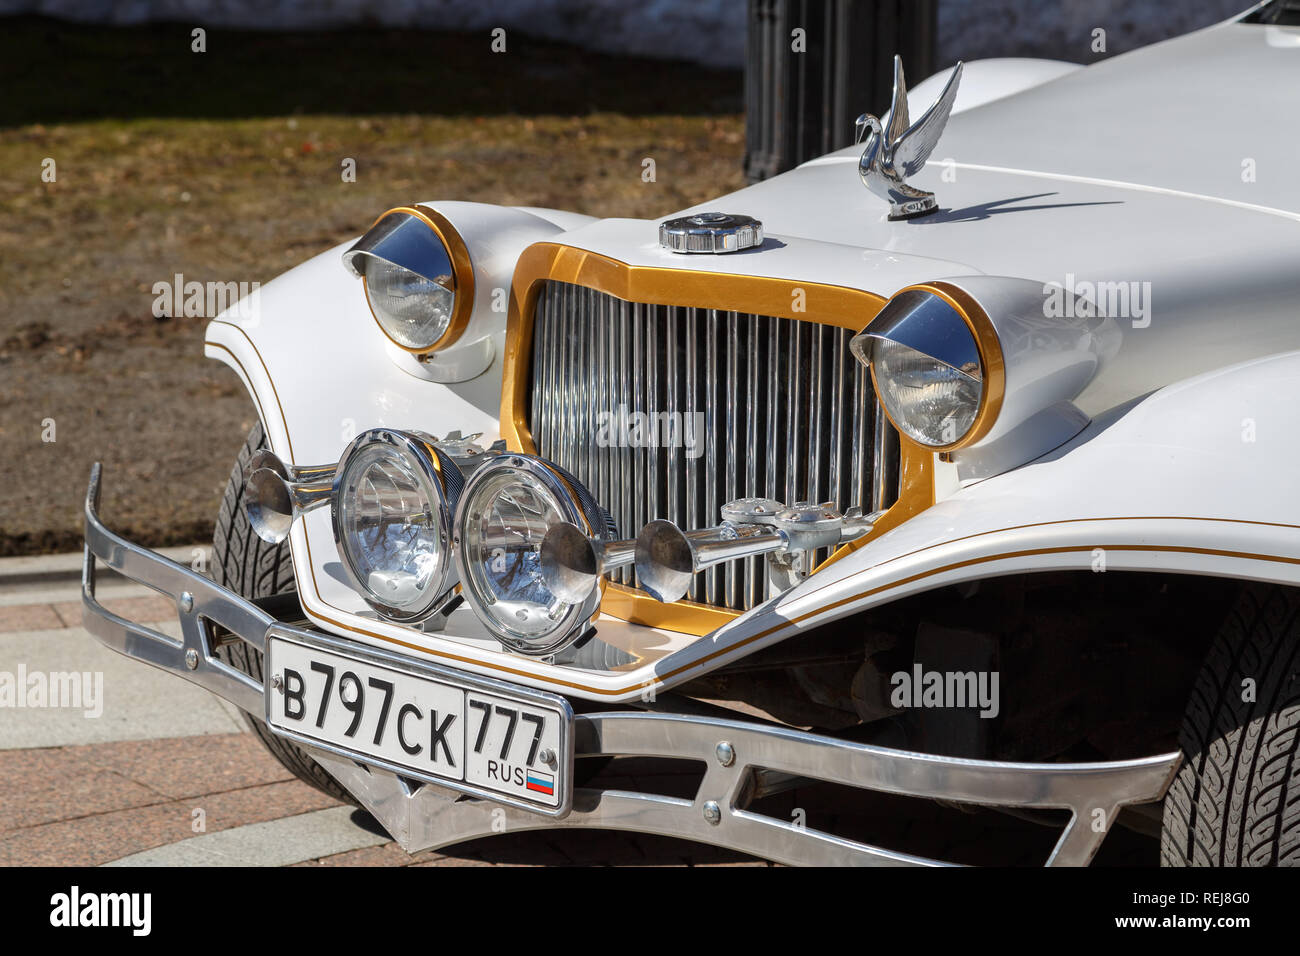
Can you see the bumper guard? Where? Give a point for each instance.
(756, 758)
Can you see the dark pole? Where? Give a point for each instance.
(812, 66)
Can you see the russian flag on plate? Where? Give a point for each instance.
(541, 782)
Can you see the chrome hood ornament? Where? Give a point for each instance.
(899, 150)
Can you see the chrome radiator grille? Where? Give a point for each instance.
(672, 411)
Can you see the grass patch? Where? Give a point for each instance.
(225, 192)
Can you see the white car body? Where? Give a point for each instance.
(1105, 174)
(1153, 434)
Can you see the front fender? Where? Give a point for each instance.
(1198, 477)
(318, 368)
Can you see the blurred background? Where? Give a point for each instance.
(129, 155)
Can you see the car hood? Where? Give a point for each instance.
(1128, 172)
(1181, 152)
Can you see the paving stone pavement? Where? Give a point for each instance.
(165, 774)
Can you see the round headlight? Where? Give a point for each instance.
(393, 499)
(505, 512)
(927, 368)
(418, 278)
(413, 310)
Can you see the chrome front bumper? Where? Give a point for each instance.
(757, 758)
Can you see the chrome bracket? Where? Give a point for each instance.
(720, 814)
(192, 655)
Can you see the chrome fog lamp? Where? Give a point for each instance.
(394, 497)
(418, 278)
(508, 506)
(928, 368)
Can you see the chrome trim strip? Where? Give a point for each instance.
(815, 407)
(791, 493)
(639, 407)
(712, 506)
(836, 450)
(885, 445)
(755, 581)
(773, 391)
(694, 509)
(675, 462)
(734, 579)
(653, 403)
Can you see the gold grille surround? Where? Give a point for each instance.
(778, 298)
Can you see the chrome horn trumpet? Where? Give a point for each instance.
(573, 563)
(668, 557)
(268, 459)
(276, 493)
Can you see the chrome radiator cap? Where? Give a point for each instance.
(711, 233)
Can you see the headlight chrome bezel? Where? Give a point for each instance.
(574, 504)
(430, 255)
(947, 349)
(442, 481)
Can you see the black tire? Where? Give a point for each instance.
(252, 568)
(1236, 798)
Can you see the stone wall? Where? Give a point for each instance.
(702, 30)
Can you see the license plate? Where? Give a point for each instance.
(478, 736)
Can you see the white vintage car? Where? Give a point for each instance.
(955, 470)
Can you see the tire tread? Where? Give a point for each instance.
(1235, 800)
(251, 567)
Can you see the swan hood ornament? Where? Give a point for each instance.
(897, 149)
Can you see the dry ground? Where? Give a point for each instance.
(225, 166)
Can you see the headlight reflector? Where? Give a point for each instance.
(933, 403)
(418, 278)
(927, 367)
(413, 310)
(508, 506)
(393, 499)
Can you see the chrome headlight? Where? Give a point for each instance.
(418, 279)
(930, 372)
(394, 496)
(508, 506)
